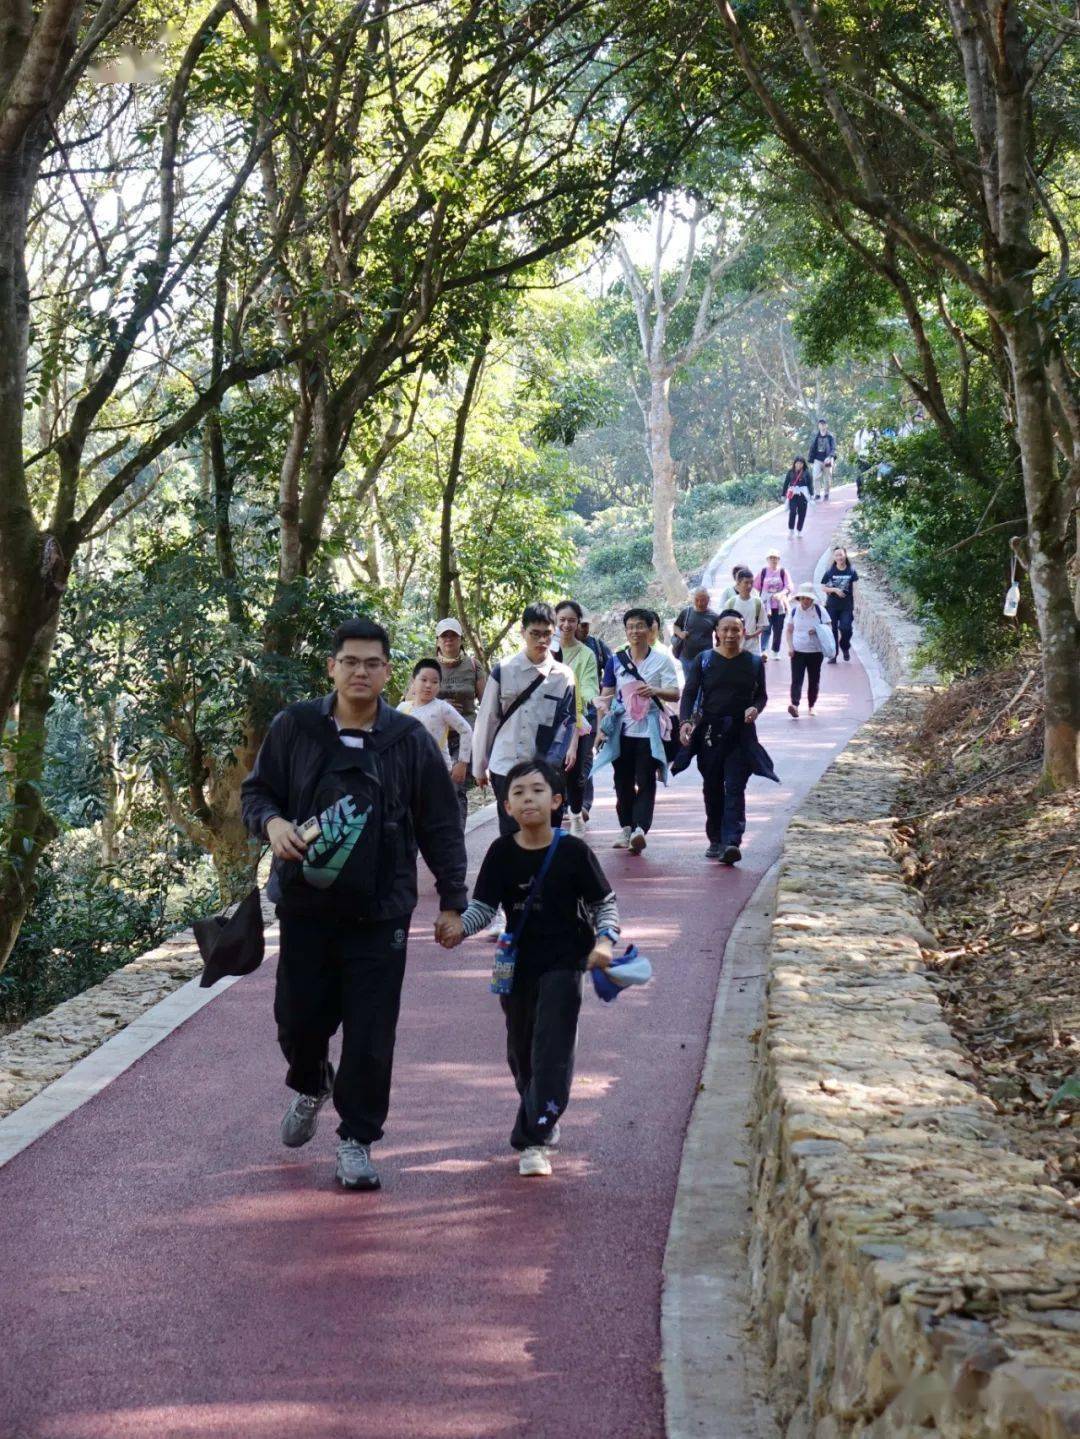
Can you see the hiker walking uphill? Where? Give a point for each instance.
(746, 601)
(581, 659)
(806, 633)
(442, 722)
(346, 789)
(463, 681)
(636, 726)
(528, 711)
(562, 919)
(838, 583)
(723, 697)
(774, 585)
(693, 629)
(822, 457)
(798, 491)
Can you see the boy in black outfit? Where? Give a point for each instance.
(571, 925)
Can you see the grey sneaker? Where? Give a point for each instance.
(302, 1119)
(354, 1167)
(637, 841)
(731, 855)
(714, 851)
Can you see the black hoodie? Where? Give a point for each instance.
(420, 804)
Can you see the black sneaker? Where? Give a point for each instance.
(731, 855)
(714, 851)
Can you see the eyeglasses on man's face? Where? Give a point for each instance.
(351, 663)
(539, 636)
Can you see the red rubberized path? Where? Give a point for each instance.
(170, 1270)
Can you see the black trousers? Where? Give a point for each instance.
(842, 623)
(634, 773)
(578, 779)
(506, 824)
(774, 632)
(724, 777)
(796, 513)
(541, 1039)
(810, 666)
(335, 972)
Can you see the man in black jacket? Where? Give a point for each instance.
(727, 685)
(822, 457)
(344, 882)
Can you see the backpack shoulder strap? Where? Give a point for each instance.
(534, 888)
(309, 718)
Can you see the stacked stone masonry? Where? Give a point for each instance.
(911, 1275)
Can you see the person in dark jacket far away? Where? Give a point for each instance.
(346, 789)
(822, 457)
(727, 685)
(798, 491)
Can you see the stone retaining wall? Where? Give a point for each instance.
(911, 1275)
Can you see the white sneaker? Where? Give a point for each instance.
(497, 925)
(623, 842)
(637, 841)
(534, 1163)
(577, 825)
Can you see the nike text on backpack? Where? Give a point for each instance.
(351, 849)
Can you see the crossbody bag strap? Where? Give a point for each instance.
(534, 888)
(517, 703)
(631, 668)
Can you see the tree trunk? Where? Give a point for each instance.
(443, 605)
(1048, 501)
(660, 425)
(30, 826)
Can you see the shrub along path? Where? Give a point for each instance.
(172, 1271)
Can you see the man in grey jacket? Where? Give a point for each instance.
(347, 789)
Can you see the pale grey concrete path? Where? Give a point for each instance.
(712, 1382)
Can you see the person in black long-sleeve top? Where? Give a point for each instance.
(727, 685)
(346, 790)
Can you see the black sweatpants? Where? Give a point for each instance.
(634, 773)
(541, 1038)
(724, 777)
(774, 632)
(335, 972)
(842, 623)
(810, 666)
(578, 789)
(506, 824)
(796, 513)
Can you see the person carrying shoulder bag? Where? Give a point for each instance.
(346, 790)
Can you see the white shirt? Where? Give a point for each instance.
(752, 610)
(656, 669)
(801, 628)
(533, 723)
(439, 717)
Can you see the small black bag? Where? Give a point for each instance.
(231, 943)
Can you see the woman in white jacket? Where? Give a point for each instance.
(804, 647)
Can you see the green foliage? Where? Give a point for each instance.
(911, 517)
(89, 918)
(616, 544)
